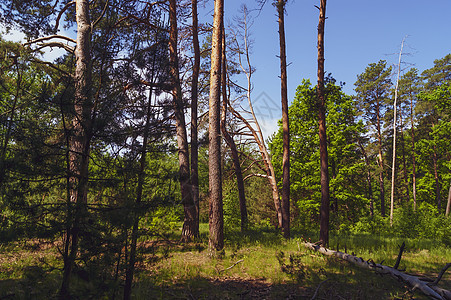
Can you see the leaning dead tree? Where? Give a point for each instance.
(250, 127)
(427, 286)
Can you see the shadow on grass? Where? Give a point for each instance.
(220, 288)
(352, 283)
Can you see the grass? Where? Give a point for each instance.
(257, 264)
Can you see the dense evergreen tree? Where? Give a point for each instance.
(373, 91)
(409, 87)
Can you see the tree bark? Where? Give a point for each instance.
(194, 114)
(216, 219)
(189, 230)
(325, 197)
(285, 124)
(79, 141)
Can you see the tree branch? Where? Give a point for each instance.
(61, 13)
(441, 273)
(101, 15)
(256, 175)
(46, 38)
(56, 44)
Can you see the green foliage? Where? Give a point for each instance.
(373, 92)
(345, 167)
(424, 223)
(162, 220)
(232, 217)
(375, 224)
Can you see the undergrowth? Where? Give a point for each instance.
(258, 263)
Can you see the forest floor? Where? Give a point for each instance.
(257, 264)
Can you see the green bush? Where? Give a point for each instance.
(375, 224)
(162, 220)
(423, 223)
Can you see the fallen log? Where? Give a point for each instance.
(428, 288)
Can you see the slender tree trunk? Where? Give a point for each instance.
(285, 123)
(414, 178)
(216, 220)
(194, 114)
(325, 197)
(139, 191)
(393, 169)
(189, 230)
(448, 204)
(230, 142)
(79, 141)
(381, 161)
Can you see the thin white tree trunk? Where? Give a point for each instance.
(393, 169)
(426, 287)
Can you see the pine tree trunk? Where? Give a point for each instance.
(194, 113)
(285, 124)
(325, 197)
(79, 140)
(189, 230)
(216, 219)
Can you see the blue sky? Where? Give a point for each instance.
(357, 32)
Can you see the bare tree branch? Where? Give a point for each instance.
(50, 37)
(61, 13)
(101, 15)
